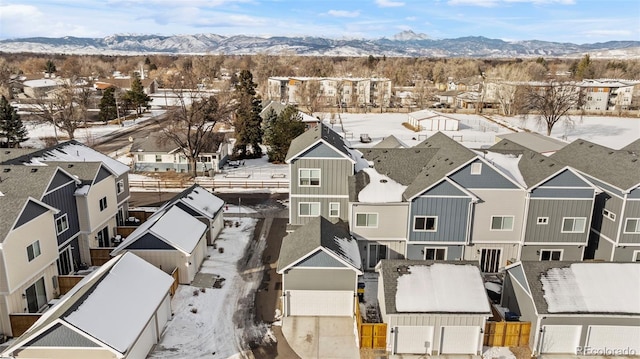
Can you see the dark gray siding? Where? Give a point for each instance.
(452, 220)
(600, 247)
(333, 176)
(542, 192)
(319, 279)
(605, 187)
(632, 210)
(556, 210)
(64, 200)
(634, 193)
(58, 180)
(415, 251)
(125, 180)
(30, 211)
(321, 150)
(569, 252)
(624, 254)
(606, 226)
(445, 188)
(102, 174)
(61, 336)
(324, 208)
(488, 178)
(149, 241)
(565, 178)
(321, 259)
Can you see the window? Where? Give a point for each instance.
(501, 223)
(120, 186)
(366, 220)
(140, 158)
(158, 158)
(608, 214)
(632, 225)
(65, 261)
(33, 250)
(309, 177)
(543, 220)
(476, 168)
(438, 254)
(425, 223)
(103, 203)
(636, 256)
(334, 209)
(309, 209)
(573, 224)
(36, 296)
(551, 255)
(62, 224)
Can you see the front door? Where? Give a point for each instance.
(490, 260)
(36, 296)
(376, 253)
(103, 237)
(65, 261)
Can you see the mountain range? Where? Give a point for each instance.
(406, 43)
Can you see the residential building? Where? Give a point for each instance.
(607, 94)
(149, 86)
(586, 308)
(118, 311)
(320, 265)
(615, 229)
(544, 145)
(41, 87)
(432, 308)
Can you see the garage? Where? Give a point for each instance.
(560, 339)
(460, 340)
(319, 303)
(603, 339)
(413, 339)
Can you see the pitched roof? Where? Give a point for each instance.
(89, 308)
(277, 107)
(173, 226)
(85, 171)
(534, 141)
(417, 286)
(391, 141)
(584, 287)
(312, 136)
(320, 233)
(199, 199)
(633, 147)
(155, 142)
(616, 167)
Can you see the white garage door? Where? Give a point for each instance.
(602, 337)
(560, 338)
(147, 339)
(460, 340)
(320, 303)
(413, 340)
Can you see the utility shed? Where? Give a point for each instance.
(427, 120)
(572, 305)
(432, 307)
(118, 311)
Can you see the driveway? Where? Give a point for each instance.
(321, 337)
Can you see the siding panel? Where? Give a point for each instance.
(556, 210)
(319, 279)
(632, 210)
(488, 178)
(64, 200)
(452, 218)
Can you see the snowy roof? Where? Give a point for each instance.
(428, 114)
(534, 141)
(380, 189)
(592, 288)
(42, 83)
(112, 305)
(507, 163)
(199, 199)
(174, 226)
(441, 288)
(391, 141)
(82, 191)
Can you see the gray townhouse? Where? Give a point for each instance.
(615, 229)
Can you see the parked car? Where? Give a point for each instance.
(364, 138)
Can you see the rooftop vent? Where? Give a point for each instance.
(6, 170)
(383, 181)
(70, 165)
(403, 269)
(34, 170)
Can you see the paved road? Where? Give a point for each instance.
(120, 138)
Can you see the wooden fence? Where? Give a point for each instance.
(125, 231)
(174, 286)
(210, 183)
(100, 256)
(507, 334)
(20, 322)
(371, 335)
(66, 282)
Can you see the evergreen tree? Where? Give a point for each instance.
(248, 123)
(12, 129)
(108, 110)
(50, 67)
(280, 131)
(136, 95)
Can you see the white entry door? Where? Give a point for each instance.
(460, 340)
(319, 303)
(603, 337)
(560, 339)
(413, 340)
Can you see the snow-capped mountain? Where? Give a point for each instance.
(406, 43)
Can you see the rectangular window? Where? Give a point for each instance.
(476, 168)
(33, 250)
(425, 223)
(435, 254)
(103, 203)
(366, 220)
(543, 220)
(334, 209)
(309, 177)
(158, 158)
(62, 224)
(608, 214)
(632, 225)
(309, 209)
(501, 223)
(551, 255)
(573, 224)
(636, 256)
(120, 186)
(140, 158)
(36, 296)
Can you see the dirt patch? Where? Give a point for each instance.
(521, 352)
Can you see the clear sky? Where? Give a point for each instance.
(576, 21)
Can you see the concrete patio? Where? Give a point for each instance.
(321, 337)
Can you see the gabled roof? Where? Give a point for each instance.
(416, 286)
(277, 107)
(583, 287)
(619, 168)
(109, 307)
(423, 115)
(534, 141)
(86, 172)
(320, 133)
(70, 151)
(173, 226)
(331, 236)
(391, 141)
(632, 147)
(199, 199)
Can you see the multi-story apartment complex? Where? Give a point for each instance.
(607, 94)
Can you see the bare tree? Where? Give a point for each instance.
(308, 95)
(61, 109)
(551, 102)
